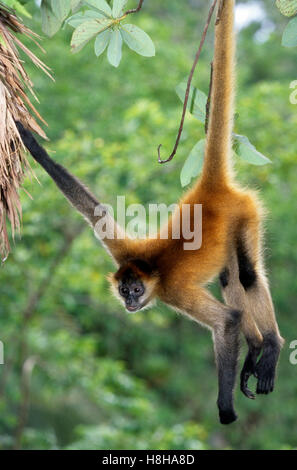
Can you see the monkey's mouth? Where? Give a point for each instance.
(133, 308)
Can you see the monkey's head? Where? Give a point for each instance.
(134, 284)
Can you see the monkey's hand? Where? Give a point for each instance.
(249, 368)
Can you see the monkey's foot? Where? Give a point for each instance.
(248, 370)
(265, 368)
(227, 416)
(244, 378)
(265, 373)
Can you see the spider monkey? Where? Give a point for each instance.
(231, 248)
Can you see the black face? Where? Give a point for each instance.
(132, 290)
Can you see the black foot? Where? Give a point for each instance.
(265, 372)
(228, 416)
(244, 378)
(265, 369)
(248, 370)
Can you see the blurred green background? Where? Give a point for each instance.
(79, 372)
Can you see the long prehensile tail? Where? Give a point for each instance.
(218, 153)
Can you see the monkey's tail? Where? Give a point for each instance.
(77, 194)
(218, 164)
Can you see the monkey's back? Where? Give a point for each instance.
(223, 213)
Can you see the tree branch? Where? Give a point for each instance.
(197, 56)
(135, 10)
(208, 99)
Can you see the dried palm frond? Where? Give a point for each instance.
(14, 105)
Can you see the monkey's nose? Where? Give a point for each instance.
(131, 305)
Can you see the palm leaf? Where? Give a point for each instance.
(14, 105)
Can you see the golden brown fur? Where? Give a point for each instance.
(231, 246)
(231, 216)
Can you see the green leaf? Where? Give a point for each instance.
(50, 23)
(248, 152)
(18, 7)
(193, 164)
(117, 9)
(197, 100)
(61, 8)
(75, 4)
(138, 40)
(86, 31)
(81, 17)
(101, 42)
(114, 52)
(100, 5)
(287, 7)
(290, 34)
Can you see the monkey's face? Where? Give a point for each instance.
(134, 285)
(133, 293)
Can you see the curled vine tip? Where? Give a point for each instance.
(168, 159)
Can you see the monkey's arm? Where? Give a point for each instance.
(224, 323)
(76, 193)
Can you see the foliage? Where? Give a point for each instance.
(18, 6)
(289, 8)
(92, 19)
(194, 163)
(105, 379)
(16, 89)
(290, 34)
(98, 19)
(103, 22)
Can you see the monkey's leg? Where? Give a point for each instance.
(234, 296)
(259, 303)
(261, 306)
(226, 345)
(225, 325)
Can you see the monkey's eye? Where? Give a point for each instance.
(124, 291)
(138, 291)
